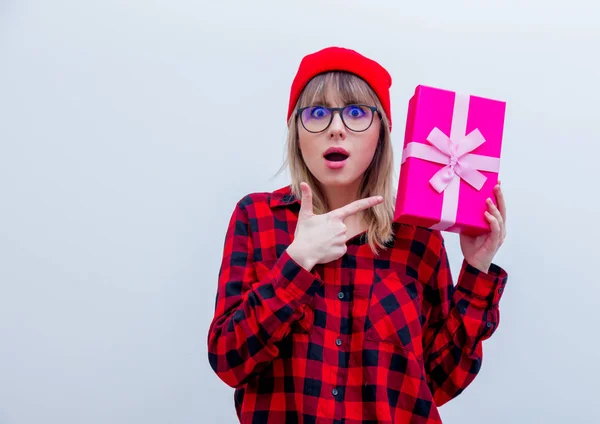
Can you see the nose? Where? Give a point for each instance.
(337, 129)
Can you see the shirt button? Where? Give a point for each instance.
(341, 295)
(334, 392)
(338, 342)
(489, 324)
(500, 290)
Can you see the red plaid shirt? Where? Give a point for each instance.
(363, 339)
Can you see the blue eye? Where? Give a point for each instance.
(354, 112)
(318, 112)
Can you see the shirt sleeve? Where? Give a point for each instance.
(251, 316)
(460, 318)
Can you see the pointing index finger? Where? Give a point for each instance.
(356, 206)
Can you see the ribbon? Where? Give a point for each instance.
(455, 153)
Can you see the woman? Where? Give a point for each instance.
(328, 311)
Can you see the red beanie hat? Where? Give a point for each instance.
(341, 59)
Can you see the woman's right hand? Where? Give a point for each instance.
(322, 238)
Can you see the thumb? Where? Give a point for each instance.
(306, 205)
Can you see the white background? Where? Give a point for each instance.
(129, 129)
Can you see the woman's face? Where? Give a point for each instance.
(343, 170)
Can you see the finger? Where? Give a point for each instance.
(356, 206)
(501, 201)
(495, 227)
(493, 209)
(306, 205)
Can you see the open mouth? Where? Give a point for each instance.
(336, 157)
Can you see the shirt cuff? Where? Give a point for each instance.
(487, 287)
(290, 276)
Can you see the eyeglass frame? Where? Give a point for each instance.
(373, 109)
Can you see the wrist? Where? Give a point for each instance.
(299, 254)
(485, 268)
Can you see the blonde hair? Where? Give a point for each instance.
(379, 176)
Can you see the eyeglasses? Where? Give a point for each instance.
(356, 118)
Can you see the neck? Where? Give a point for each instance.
(338, 196)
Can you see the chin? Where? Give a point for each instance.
(341, 180)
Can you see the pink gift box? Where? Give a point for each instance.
(450, 160)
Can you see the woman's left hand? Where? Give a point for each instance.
(479, 251)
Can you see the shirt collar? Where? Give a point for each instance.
(283, 197)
